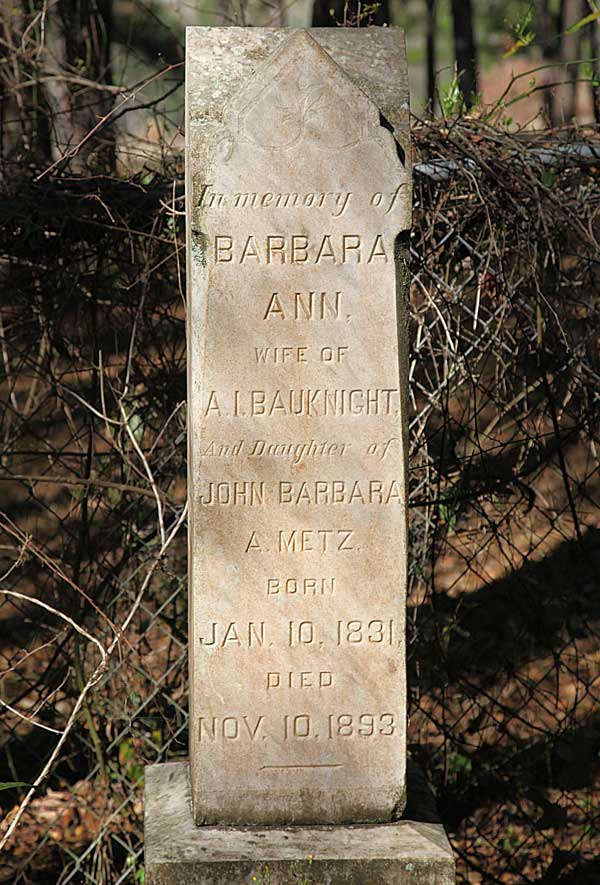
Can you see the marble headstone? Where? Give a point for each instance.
(298, 188)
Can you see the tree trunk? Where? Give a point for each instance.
(569, 49)
(430, 41)
(75, 57)
(349, 13)
(550, 33)
(595, 53)
(24, 121)
(464, 49)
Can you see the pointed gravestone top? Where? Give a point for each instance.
(297, 191)
(301, 95)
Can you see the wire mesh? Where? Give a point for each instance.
(505, 482)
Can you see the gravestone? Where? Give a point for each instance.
(298, 192)
(297, 477)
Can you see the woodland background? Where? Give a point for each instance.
(504, 609)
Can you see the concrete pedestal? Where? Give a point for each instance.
(180, 853)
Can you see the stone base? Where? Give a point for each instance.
(180, 853)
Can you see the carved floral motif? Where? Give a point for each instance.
(289, 111)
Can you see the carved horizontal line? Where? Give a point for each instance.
(312, 765)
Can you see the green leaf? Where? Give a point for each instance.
(114, 496)
(448, 513)
(135, 772)
(125, 752)
(136, 425)
(548, 178)
(12, 785)
(452, 99)
(459, 764)
(523, 36)
(590, 74)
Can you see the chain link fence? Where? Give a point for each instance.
(504, 609)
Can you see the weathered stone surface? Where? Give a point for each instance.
(296, 192)
(180, 853)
